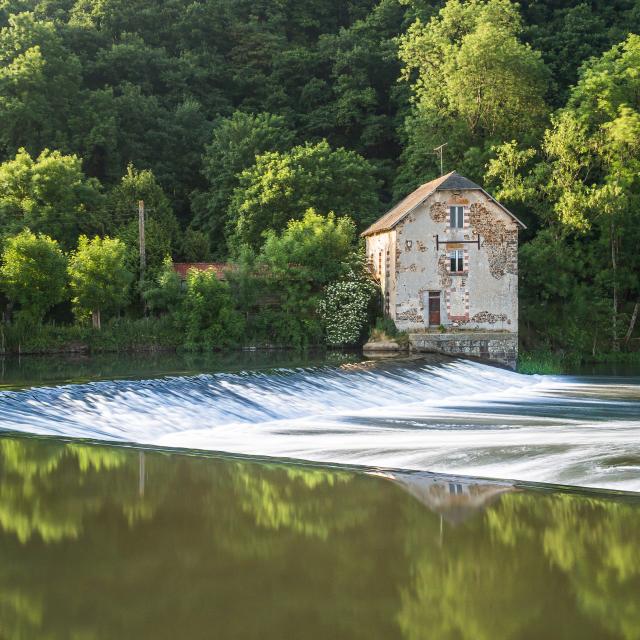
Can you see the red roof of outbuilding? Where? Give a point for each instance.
(182, 268)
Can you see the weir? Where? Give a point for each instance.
(420, 414)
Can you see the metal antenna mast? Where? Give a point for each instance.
(439, 151)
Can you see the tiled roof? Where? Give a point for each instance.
(182, 268)
(454, 182)
(394, 215)
(449, 182)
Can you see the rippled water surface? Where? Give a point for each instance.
(346, 502)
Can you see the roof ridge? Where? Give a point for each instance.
(408, 203)
(398, 211)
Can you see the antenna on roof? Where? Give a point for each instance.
(439, 150)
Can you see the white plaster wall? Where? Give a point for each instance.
(489, 300)
(384, 244)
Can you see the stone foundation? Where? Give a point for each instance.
(485, 345)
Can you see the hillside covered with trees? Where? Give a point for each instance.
(267, 134)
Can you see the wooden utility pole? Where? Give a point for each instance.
(143, 258)
(439, 151)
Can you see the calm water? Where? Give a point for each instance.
(103, 541)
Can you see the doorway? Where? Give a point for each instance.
(434, 308)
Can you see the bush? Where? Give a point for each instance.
(207, 314)
(385, 325)
(542, 362)
(343, 309)
(165, 294)
(385, 330)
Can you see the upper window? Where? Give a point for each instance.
(456, 217)
(457, 260)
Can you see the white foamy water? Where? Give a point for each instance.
(458, 418)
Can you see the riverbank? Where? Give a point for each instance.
(160, 335)
(545, 362)
(126, 336)
(146, 334)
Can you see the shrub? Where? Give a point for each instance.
(165, 294)
(540, 362)
(207, 314)
(343, 309)
(385, 325)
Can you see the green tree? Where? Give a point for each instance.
(568, 34)
(123, 199)
(344, 89)
(49, 194)
(584, 185)
(196, 246)
(474, 84)
(99, 277)
(208, 315)
(320, 248)
(162, 232)
(33, 274)
(280, 186)
(236, 143)
(39, 85)
(295, 265)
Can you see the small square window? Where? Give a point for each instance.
(456, 217)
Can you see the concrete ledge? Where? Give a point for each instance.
(501, 347)
(389, 346)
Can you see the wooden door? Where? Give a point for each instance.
(434, 308)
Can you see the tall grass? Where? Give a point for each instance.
(541, 362)
(118, 335)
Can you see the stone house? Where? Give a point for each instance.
(447, 255)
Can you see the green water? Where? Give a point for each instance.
(100, 543)
(16, 373)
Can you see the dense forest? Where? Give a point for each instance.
(252, 130)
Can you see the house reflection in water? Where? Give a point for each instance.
(454, 498)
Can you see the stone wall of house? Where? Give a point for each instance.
(485, 295)
(381, 254)
(498, 346)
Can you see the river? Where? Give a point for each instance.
(420, 498)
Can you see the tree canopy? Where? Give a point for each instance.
(281, 186)
(236, 143)
(48, 194)
(474, 83)
(583, 185)
(99, 277)
(231, 118)
(33, 274)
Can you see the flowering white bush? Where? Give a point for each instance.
(343, 309)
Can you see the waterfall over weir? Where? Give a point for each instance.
(454, 417)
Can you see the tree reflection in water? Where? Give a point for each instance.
(99, 542)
